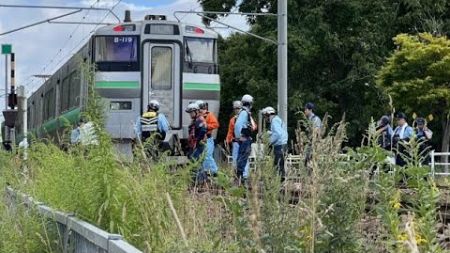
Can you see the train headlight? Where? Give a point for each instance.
(193, 29)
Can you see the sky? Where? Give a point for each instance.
(42, 49)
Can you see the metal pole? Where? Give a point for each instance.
(6, 81)
(282, 59)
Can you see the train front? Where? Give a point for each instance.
(171, 62)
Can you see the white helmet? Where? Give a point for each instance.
(201, 104)
(192, 107)
(247, 99)
(268, 110)
(154, 105)
(237, 104)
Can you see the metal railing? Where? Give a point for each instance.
(74, 235)
(433, 163)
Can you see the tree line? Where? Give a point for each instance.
(347, 56)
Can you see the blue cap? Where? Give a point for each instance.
(310, 106)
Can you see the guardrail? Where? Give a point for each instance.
(75, 235)
(433, 163)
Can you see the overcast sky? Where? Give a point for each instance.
(44, 48)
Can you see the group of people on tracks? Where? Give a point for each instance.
(396, 140)
(241, 128)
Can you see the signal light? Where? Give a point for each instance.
(193, 29)
(119, 28)
(198, 30)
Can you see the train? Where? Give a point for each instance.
(135, 61)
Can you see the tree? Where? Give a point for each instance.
(417, 76)
(335, 49)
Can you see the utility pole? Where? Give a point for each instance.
(282, 60)
(11, 100)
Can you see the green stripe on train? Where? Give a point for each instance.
(117, 85)
(202, 86)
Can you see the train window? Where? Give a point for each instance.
(120, 105)
(74, 89)
(65, 92)
(161, 68)
(49, 104)
(116, 49)
(200, 50)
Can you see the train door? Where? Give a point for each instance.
(161, 79)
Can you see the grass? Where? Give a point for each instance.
(157, 209)
(132, 198)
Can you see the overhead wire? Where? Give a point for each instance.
(61, 49)
(83, 40)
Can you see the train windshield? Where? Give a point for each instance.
(200, 50)
(116, 49)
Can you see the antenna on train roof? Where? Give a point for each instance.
(127, 16)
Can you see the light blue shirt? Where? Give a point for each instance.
(241, 122)
(278, 135)
(315, 120)
(404, 131)
(163, 123)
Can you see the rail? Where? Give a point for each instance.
(75, 235)
(433, 163)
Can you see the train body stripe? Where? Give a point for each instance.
(117, 85)
(202, 86)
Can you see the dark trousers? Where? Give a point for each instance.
(197, 152)
(279, 152)
(199, 175)
(245, 148)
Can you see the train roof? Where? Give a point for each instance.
(140, 28)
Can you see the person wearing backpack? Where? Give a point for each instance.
(209, 164)
(231, 139)
(278, 138)
(242, 132)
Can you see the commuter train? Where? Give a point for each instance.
(172, 62)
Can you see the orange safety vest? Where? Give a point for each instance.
(211, 122)
(230, 133)
(232, 123)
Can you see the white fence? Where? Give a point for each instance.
(434, 163)
(74, 235)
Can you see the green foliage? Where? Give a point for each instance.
(335, 49)
(416, 76)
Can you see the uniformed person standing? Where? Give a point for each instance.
(278, 138)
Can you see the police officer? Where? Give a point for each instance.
(278, 138)
(212, 123)
(151, 116)
(313, 118)
(242, 132)
(423, 135)
(314, 130)
(197, 138)
(402, 134)
(385, 132)
(231, 139)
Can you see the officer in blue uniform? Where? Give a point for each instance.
(242, 132)
(278, 138)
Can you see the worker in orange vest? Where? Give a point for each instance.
(231, 140)
(209, 164)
